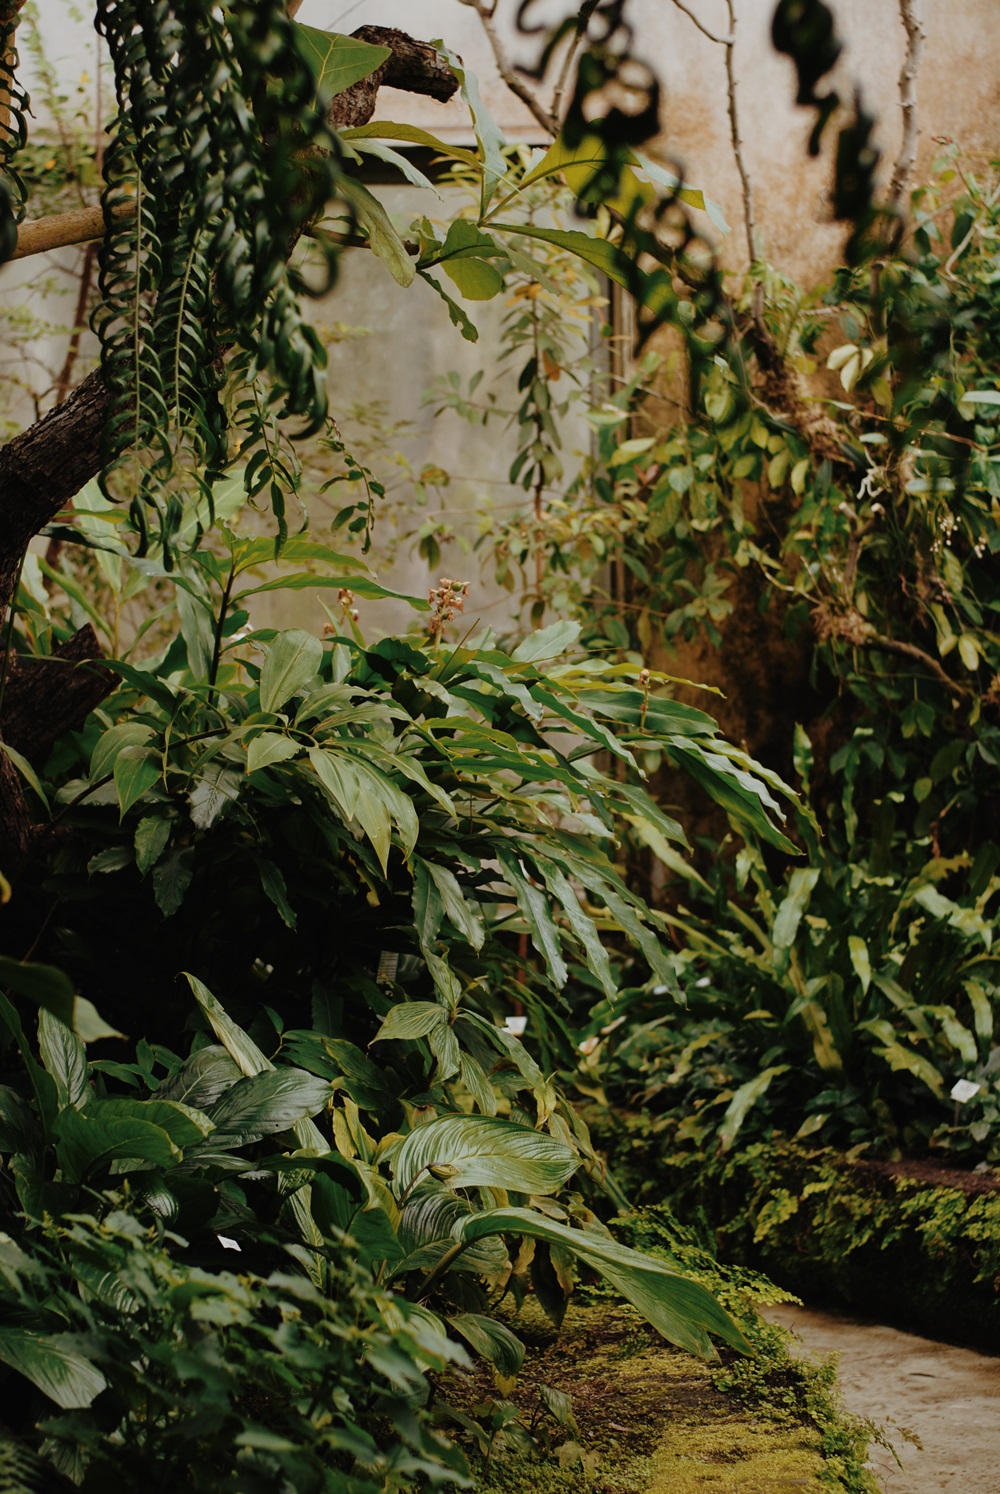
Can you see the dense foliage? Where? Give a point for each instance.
(310, 878)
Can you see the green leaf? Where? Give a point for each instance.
(53, 991)
(476, 279)
(185, 1124)
(382, 236)
(112, 741)
(293, 660)
(216, 787)
(458, 317)
(136, 770)
(265, 1104)
(362, 586)
(684, 1312)
(275, 890)
(582, 926)
(491, 1340)
(793, 906)
(743, 1100)
(411, 1019)
(385, 129)
(62, 1374)
(337, 61)
(26, 771)
(201, 1079)
(482, 1151)
(64, 1057)
(488, 133)
(171, 880)
(537, 914)
(86, 1142)
(464, 915)
(152, 835)
(240, 1047)
(547, 643)
(652, 291)
(740, 795)
(861, 961)
(270, 747)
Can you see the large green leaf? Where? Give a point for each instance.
(387, 129)
(362, 586)
(201, 1079)
(411, 1019)
(269, 748)
(547, 643)
(338, 61)
(64, 1057)
(293, 659)
(482, 1151)
(538, 915)
(652, 290)
(136, 770)
(477, 279)
(52, 990)
(491, 1340)
(382, 235)
(266, 1104)
(738, 792)
(682, 1310)
(59, 1372)
(84, 1142)
(488, 133)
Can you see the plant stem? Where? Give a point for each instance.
(220, 624)
(442, 1266)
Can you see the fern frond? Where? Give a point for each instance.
(222, 141)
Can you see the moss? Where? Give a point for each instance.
(650, 1419)
(908, 1247)
(751, 1459)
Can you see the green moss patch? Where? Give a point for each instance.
(910, 1244)
(646, 1418)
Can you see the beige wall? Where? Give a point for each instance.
(958, 96)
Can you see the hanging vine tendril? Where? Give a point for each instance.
(13, 133)
(224, 151)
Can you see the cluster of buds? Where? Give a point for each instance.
(644, 687)
(351, 614)
(447, 600)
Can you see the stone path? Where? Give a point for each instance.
(949, 1397)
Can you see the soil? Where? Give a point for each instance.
(947, 1397)
(932, 1175)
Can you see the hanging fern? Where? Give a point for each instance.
(219, 156)
(13, 135)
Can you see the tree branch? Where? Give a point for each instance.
(722, 41)
(520, 90)
(582, 20)
(909, 11)
(59, 230)
(734, 134)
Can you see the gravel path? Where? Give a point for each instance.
(949, 1397)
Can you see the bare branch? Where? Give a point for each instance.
(734, 133)
(909, 11)
(911, 651)
(517, 86)
(722, 41)
(582, 20)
